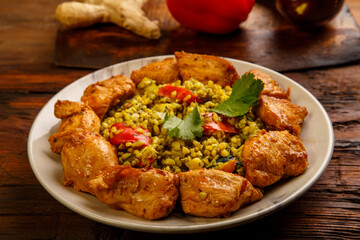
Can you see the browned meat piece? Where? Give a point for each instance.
(150, 194)
(74, 116)
(271, 87)
(273, 155)
(162, 72)
(84, 156)
(281, 114)
(206, 67)
(66, 108)
(215, 193)
(103, 95)
(58, 140)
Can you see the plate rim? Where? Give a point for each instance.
(199, 227)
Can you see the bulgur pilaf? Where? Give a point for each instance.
(197, 141)
(147, 110)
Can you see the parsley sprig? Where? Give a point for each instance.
(244, 95)
(186, 129)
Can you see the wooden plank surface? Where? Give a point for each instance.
(29, 78)
(265, 38)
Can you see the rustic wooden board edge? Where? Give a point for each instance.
(284, 49)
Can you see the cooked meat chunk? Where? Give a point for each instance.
(215, 193)
(162, 72)
(150, 194)
(74, 116)
(65, 108)
(84, 156)
(281, 114)
(58, 140)
(206, 67)
(273, 155)
(271, 87)
(103, 95)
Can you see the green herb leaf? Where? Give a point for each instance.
(186, 129)
(245, 94)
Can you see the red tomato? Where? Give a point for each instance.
(129, 134)
(229, 166)
(222, 126)
(181, 93)
(211, 16)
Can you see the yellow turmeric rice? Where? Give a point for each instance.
(147, 110)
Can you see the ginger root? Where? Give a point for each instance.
(124, 13)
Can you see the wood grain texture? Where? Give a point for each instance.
(354, 9)
(28, 79)
(265, 38)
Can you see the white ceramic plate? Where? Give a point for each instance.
(317, 136)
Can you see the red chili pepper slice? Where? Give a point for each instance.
(181, 93)
(221, 126)
(128, 134)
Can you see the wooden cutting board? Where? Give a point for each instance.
(265, 39)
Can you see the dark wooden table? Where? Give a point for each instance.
(29, 78)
